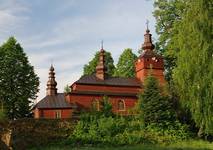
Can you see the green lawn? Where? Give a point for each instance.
(189, 145)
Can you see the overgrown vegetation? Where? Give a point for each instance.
(156, 123)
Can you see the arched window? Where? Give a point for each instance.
(58, 114)
(121, 105)
(95, 105)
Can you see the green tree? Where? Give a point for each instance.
(126, 64)
(193, 76)
(156, 108)
(168, 13)
(106, 107)
(19, 83)
(90, 68)
(67, 89)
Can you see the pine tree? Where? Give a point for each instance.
(90, 68)
(126, 64)
(194, 73)
(156, 108)
(18, 82)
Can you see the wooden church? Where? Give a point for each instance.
(87, 92)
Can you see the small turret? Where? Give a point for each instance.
(51, 83)
(101, 68)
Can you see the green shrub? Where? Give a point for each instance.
(107, 130)
(174, 132)
(98, 130)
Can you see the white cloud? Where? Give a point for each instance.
(10, 18)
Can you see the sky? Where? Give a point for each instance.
(67, 33)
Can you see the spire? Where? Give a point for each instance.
(147, 45)
(102, 44)
(51, 84)
(147, 25)
(101, 68)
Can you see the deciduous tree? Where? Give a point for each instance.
(168, 14)
(90, 68)
(126, 64)
(194, 73)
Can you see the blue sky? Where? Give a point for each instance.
(69, 32)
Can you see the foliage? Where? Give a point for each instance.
(155, 107)
(168, 14)
(106, 130)
(67, 89)
(183, 145)
(90, 68)
(106, 107)
(173, 132)
(126, 64)
(18, 81)
(194, 73)
(124, 131)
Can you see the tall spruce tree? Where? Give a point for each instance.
(155, 107)
(90, 68)
(126, 66)
(194, 73)
(18, 82)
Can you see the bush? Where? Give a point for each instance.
(106, 130)
(174, 132)
(98, 130)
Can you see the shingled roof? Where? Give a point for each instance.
(54, 101)
(113, 81)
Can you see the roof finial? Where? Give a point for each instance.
(147, 25)
(102, 44)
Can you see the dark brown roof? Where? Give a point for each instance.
(53, 101)
(111, 81)
(102, 93)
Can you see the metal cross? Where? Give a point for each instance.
(147, 24)
(102, 44)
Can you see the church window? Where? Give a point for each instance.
(95, 105)
(121, 105)
(58, 114)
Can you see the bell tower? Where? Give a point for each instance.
(149, 62)
(51, 83)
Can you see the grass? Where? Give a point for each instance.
(187, 145)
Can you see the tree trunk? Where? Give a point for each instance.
(200, 133)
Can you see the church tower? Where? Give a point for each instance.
(51, 84)
(101, 68)
(149, 62)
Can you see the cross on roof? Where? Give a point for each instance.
(147, 24)
(102, 44)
